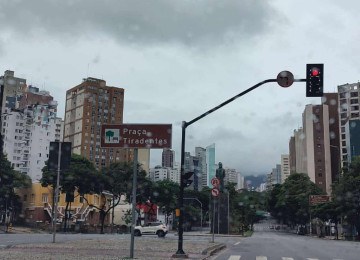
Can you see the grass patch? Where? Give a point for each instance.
(248, 233)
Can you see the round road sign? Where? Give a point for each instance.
(215, 192)
(215, 182)
(285, 79)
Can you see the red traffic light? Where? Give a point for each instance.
(314, 72)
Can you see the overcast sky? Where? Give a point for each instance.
(178, 59)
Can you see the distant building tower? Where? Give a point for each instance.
(276, 174)
(285, 167)
(201, 154)
(88, 106)
(210, 163)
(168, 157)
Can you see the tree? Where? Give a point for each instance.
(81, 176)
(165, 196)
(346, 194)
(118, 178)
(289, 202)
(10, 180)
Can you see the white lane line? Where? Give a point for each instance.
(312, 258)
(260, 257)
(234, 257)
(287, 258)
(237, 243)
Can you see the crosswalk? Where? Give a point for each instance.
(238, 257)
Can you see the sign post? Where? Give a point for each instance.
(134, 136)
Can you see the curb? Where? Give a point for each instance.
(213, 249)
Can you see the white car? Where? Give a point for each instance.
(151, 228)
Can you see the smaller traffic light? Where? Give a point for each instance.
(314, 80)
(185, 180)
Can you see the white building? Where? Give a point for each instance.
(28, 132)
(174, 173)
(158, 173)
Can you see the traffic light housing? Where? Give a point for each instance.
(185, 180)
(314, 80)
(54, 155)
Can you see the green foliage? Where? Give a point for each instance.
(289, 202)
(164, 194)
(10, 180)
(346, 194)
(81, 176)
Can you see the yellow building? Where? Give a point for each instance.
(38, 205)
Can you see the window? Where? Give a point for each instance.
(45, 197)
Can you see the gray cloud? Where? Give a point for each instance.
(158, 21)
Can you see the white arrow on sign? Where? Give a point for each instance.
(215, 192)
(215, 182)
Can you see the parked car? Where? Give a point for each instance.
(151, 228)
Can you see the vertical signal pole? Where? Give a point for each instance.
(1, 104)
(180, 250)
(133, 222)
(57, 193)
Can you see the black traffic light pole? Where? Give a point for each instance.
(180, 252)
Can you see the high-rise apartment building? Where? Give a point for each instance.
(168, 157)
(28, 131)
(317, 138)
(349, 107)
(200, 153)
(276, 175)
(88, 106)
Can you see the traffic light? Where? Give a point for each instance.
(185, 180)
(314, 80)
(54, 154)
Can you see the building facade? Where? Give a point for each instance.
(88, 106)
(317, 138)
(28, 131)
(349, 110)
(201, 154)
(168, 157)
(285, 167)
(210, 164)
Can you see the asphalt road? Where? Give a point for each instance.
(266, 244)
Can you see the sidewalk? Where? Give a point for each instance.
(115, 247)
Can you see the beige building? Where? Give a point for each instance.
(317, 143)
(285, 167)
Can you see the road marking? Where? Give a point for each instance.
(287, 258)
(261, 257)
(237, 243)
(312, 258)
(234, 257)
